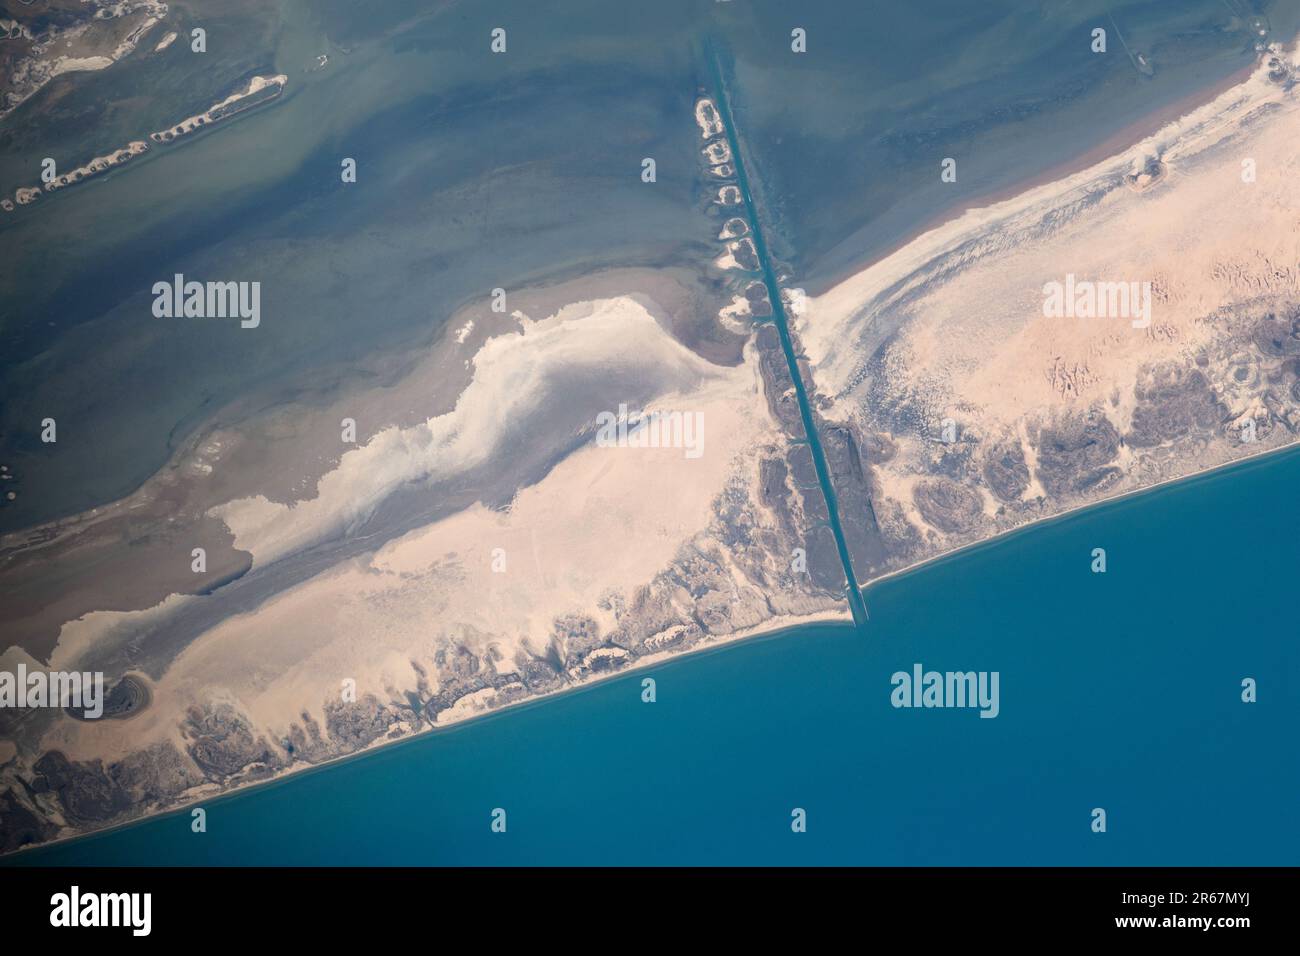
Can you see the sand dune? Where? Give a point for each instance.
(1029, 238)
(583, 542)
(998, 410)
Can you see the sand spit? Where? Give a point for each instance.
(982, 400)
(468, 708)
(507, 545)
(258, 90)
(511, 373)
(492, 549)
(833, 314)
(494, 583)
(472, 610)
(278, 447)
(100, 164)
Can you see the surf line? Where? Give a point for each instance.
(851, 590)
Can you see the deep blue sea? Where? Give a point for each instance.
(1119, 691)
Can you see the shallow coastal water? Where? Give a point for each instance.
(1116, 693)
(1119, 690)
(474, 172)
(484, 171)
(846, 141)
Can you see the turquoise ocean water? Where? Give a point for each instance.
(1119, 690)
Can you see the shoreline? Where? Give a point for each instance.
(1254, 459)
(422, 381)
(777, 625)
(1120, 141)
(773, 629)
(1096, 162)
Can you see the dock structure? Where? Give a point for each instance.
(1138, 59)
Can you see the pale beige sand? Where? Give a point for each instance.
(510, 374)
(738, 315)
(1203, 235)
(594, 527)
(72, 64)
(957, 318)
(57, 573)
(191, 123)
(468, 711)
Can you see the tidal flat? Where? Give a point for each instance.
(1120, 694)
(405, 515)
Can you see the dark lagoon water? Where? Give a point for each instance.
(1119, 690)
(478, 171)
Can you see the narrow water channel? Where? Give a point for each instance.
(851, 590)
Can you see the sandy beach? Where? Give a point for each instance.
(1045, 415)
(1120, 141)
(427, 535)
